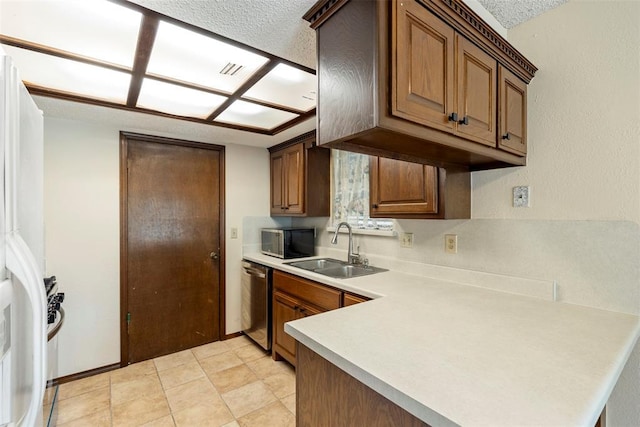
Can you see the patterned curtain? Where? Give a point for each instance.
(350, 191)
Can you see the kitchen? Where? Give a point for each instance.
(581, 229)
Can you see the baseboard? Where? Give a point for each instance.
(234, 335)
(80, 375)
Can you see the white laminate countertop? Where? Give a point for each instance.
(453, 354)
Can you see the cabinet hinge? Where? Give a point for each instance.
(128, 321)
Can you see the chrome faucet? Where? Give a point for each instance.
(352, 258)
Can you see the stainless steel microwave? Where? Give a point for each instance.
(288, 242)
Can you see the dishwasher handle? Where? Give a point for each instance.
(252, 271)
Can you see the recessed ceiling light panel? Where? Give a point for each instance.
(70, 76)
(177, 100)
(95, 28)
(248, 114)
(286, 86)
(192, 57)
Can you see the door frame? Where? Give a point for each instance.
(124, 139)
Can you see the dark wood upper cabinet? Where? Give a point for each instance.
(399, 189)
(300, 178)
(417, 80)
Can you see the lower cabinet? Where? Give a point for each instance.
(295, 298)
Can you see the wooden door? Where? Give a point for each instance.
(277, 183)
(402, 189)
(285, 309)
(476, 88)
(423, 67)
(172, 206)
(512, 119)
(294, 179)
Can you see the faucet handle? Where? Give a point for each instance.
(357, 252)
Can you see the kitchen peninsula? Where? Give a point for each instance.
(453, 354)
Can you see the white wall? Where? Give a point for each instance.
(82, 232)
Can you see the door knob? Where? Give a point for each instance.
(213, 255)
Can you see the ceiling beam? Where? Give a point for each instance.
(146, 37)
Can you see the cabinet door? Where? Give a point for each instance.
(476, 86)
(512, 120)
(422, 66)
(277, 183)
(294, 179)
(402, 189)
(285, 309)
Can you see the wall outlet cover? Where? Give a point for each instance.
(451, 243)
(406, 240)
(522, 196)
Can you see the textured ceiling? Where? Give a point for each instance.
(513, 12)
(275, 26)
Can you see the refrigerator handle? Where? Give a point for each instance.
(22, 264)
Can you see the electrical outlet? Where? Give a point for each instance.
(451, 243)
(522, 196)
(406, 240)
(234, 232)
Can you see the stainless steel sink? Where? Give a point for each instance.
(316, 264)
(335, 268)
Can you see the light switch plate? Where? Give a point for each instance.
(406, 240)
(234, 232)
(522, 196)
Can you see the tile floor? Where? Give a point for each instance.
(226, 383)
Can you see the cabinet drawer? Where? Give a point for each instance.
(315, 293)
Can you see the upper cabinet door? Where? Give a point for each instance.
(476, 89)
(513, 113)
(277, 183)
(294, 179)
(402, 189)
(422, 69)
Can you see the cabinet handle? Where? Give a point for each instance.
(302, 310)
(453, 117)
(506, 136)
(464, 121)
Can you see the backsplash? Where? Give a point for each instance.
(595, 263)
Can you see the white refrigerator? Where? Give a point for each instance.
(23, 317)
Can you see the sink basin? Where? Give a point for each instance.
(346, 271)
(335, 268)
(316, 264)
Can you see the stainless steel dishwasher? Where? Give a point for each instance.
(256, 303)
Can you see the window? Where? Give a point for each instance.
(350, 192)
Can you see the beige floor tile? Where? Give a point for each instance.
(250, 352)
(133, 371)
(191, 394)
(140, 411)
(232, 378)
(237, 342)
(148, 385)
(181, 375)
(84, 385)
(290, 403)
(211, 349)
(166, 421)
(266, 366)
(232, 424)
(272, 415)
(172, 360)
(97, 419)
(83, 405)
(211, 415)
(248, 398)
(281, 385)
(220, 362)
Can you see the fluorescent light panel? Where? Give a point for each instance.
(71, 76)
(94, 28)
(192, 57)
(254, 115)
(286, 86)
(177, 100)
